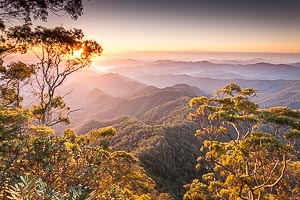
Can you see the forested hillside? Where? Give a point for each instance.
(159, 134)
(162, 149)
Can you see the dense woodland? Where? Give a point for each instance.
(147, 145)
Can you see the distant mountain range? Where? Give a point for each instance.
(244, 70)
(296, 64)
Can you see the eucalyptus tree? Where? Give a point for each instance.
(246, 149)
(25, 10)
(13, 78)
(18, 12)
(54, 50)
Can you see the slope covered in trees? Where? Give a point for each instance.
(162, 149)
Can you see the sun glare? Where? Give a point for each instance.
(77, 53)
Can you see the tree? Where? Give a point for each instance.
(13, 78)
(16, 11)
(54, 50)
(25, 10)
(246, 149)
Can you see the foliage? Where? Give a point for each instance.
(54, 50)
(41, 130)
(13, 122)
(197, 190)
(54, 165)
(38, 9)
(33, 188)
(13, 78)
(247, 149)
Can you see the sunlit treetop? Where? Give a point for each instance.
(248, 150)
(59, 53)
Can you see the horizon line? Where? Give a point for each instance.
(197, 51)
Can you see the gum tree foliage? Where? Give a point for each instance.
(25, 10)
(14, 12)
(53, 49)
(13, 78)
(248, 150)
(51, 167)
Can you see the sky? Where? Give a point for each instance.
(190, 25)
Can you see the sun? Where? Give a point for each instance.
(77, 53)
